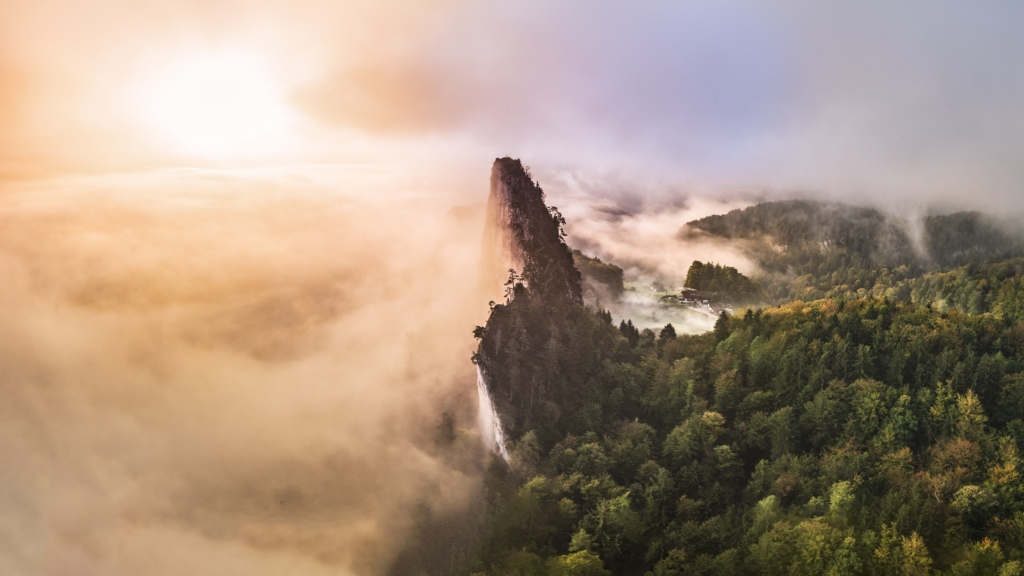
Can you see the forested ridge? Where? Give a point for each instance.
(800, 233)
(863, 437)
(840, 436)
(808, 250)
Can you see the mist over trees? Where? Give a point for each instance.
(803, 233)
(808, 250)
(599, 278)
(862, 435)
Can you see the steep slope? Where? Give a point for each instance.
(835, 437)
(540, 315)
(801, 227)
(601, 280)
(522, 234)
(809, 249)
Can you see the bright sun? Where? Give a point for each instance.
(219, 104)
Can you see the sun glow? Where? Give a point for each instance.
(220, 104)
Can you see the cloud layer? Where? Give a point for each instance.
(228, 378)
(909, 105)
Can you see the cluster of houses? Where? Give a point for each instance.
(698, 300)
(695, 296)
(688, 296)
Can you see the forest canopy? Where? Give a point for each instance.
(725, 283)
(808, 250)
(875, 430)
(797, 230)
(878, 437)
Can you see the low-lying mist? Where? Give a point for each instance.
(227, 376)
(655, 247)
(646, 243)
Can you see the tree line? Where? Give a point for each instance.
(868, 423)
(835, 437)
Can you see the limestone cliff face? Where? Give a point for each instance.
(521, 233)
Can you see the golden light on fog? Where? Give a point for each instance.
(217, 104)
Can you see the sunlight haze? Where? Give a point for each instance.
(240, 248)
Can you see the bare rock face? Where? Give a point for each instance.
(523, 235)
(500, 251)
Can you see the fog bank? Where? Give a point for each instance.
(236, 377)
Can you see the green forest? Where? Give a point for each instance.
(866, 432)
(860, 437)
(869, 423)
(725, 283)
(813, 250)
(800, 233)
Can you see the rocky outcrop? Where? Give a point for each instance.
(522, 234)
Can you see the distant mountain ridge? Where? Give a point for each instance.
(808, 250)
(796, 230)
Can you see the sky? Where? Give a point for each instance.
(908, 104)
(234, 308)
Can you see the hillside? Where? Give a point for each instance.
(600, 280)
(807, 250)
(834, 437)
(799, 233)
